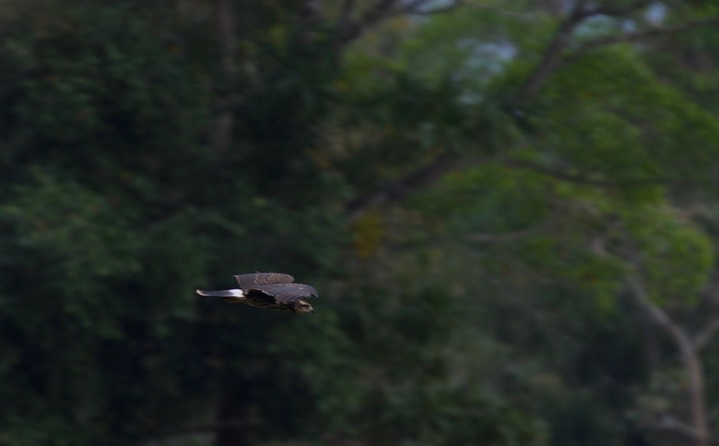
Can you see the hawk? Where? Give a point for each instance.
(273, 291)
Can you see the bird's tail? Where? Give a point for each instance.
(236, 294)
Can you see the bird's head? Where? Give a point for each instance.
(302, 306)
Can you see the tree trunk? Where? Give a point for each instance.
(689, 357)
(224, 17)
(695, 374)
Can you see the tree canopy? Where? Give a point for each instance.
(509, 210)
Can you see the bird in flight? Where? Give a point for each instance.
(273, 291)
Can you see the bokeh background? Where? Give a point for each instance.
(509, 209)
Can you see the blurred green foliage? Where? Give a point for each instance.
(486, 305)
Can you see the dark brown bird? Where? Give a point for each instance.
(273, 291)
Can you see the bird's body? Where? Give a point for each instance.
(272, 291)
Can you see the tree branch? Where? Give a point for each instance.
(579, 178)
(657, 315)
(619, 10)
(401, 188)
(637, 36)
(672, 424)
(552, 55)
(415, 7)
(706, 335)
(372, 16)
(347, 30)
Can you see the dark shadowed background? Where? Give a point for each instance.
(509, 209)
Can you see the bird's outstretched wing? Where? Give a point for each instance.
(285, 293)
(254, 280)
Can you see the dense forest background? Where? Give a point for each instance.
(510, 209)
